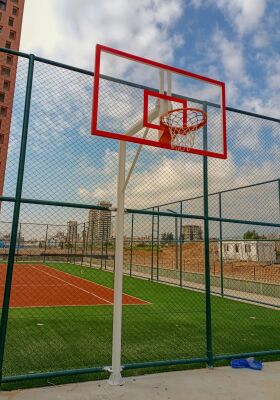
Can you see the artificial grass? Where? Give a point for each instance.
(172, 326)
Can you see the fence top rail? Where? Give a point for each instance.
(87, 72)
(201, 217)
(215, 193)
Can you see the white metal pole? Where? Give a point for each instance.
(162, 109)
(169, 88)
(135, 159)
(116, 377)
(169, 83)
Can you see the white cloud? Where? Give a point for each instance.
(40, 35)
(261, 39)
(273, 73)
(244, 14)
(70, 29)
(231, 55)
(267, 105)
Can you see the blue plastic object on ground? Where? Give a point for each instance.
(250, 363)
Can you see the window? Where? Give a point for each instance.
(226, 247)
(11, 21)
(247, 248)
(2, 97)
(236, 248)
(6, 85)
(15, 11)
(3, 111)
(3, 4)
(8, 45)
(12, 35)
(5, 71)
(9, 60)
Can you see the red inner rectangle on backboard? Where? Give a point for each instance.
(160, 96)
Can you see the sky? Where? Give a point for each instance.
(232, 41)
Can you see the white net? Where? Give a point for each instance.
(183, 125)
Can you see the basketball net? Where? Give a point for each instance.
(179, 127)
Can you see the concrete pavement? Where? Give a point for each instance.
(221, 383)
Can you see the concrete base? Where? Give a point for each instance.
(222, 383)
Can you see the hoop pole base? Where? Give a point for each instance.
(116, 379)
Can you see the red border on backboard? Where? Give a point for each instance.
(118, 136)
(162, 96)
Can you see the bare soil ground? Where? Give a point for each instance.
(193, 261)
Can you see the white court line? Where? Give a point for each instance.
(71, 284)
(81, 305)
(99, 284)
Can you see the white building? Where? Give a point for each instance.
(249, 250)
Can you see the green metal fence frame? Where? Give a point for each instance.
(17, 200)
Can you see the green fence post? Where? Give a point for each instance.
(221, 246)
(18, 241)
(131, 244)
(209, 349)
(181, 244)
(102, 244)
(87, 234)
(45, 247)
(279, 194)
(176, 244)
(16, 213)
(84, 244)
(75, 234)
(152, 253)
(157, 245)
(106, 245)
(91, 243)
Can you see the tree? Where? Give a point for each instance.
(167, 237)
(163, 237)
(253, 235)
(170, 237)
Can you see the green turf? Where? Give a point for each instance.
(171, 327)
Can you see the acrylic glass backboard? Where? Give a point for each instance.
(135, 99)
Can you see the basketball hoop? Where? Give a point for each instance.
(179, 127)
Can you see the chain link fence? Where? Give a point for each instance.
(201, 242)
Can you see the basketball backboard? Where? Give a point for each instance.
(133, 96)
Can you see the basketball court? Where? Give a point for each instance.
(37, 285)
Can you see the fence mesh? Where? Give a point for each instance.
(61, 248)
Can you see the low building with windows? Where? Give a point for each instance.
(249, 250)
(192, 232)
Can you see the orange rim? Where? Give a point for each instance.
(185, 129)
